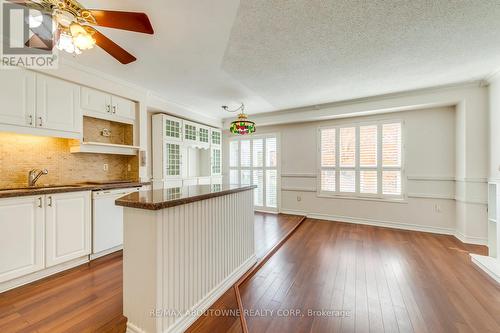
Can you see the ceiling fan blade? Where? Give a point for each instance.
(39, 43)
(138, 22)
(111, 47)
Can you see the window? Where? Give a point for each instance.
(255, 161)
(362, 160)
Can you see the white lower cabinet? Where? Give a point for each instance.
(67, 227)
(22, 230)
(38, 232)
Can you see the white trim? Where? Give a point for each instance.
(390, 224)
(11, 284)
(470, 240)
(431, 196)
(432, 178)
(471, 202)
(367, 198)
(298, 189)
(131, 328)
(299, 175)
(489, 265)
(183, 324)
(94, 256)
(471, 180)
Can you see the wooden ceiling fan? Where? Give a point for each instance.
(73, 23)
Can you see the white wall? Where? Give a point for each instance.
(446, 161)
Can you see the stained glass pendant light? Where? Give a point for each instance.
(242, 125)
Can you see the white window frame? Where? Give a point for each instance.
(357, 194)
(263, 168)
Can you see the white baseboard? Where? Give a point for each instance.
(470, 240)
(389, 224)
(185, 322)
(105, 252)
(489, 265)
(11, 284)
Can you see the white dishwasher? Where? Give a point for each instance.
(107, 221)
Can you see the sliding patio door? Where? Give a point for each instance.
(254, 160)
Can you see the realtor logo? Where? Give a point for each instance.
(27, 38)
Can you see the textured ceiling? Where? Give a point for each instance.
(276, 54)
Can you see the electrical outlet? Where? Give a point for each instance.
(105, 166)
(299, 198)
(129, 168)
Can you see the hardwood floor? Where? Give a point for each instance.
(385, 280)
(85, 299)
(89, 297)
(269, 230)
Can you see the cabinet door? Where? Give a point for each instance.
(216, 137)
(17, 93)
(123, 108)
(21, 236)
(95, 102)
(57, 104)
(68, 223)
(172, 128)
(204, 136)
(173, 160)
(216, 161)
(190, 132)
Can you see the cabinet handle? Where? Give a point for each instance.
(41, 121)
(50, 202)
(40, 202)
(108, 108)
(114, 109)
(31, 119)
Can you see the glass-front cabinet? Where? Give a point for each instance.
(216, 162)
(173, 160)
(216, 137)
(173, 128)
(190, 132)
(185, 152)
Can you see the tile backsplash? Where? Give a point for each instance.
(21, 153)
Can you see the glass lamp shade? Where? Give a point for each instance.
(242, 125)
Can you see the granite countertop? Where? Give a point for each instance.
(52, 189)
(157, 199)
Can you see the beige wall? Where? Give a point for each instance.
(21, 153)
(430, 168)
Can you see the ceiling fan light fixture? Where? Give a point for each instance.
(65, 43)
(82, 39)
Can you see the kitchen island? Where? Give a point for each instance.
(183, 248)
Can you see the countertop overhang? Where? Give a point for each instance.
(157, 199)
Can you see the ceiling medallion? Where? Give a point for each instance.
(242, 125)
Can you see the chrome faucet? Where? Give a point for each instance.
(34, 174)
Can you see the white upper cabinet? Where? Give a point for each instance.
(95, 101)
(38, 104)
(57, 105)
(21, 236)
(123, 108)
(190, 132)
(98, 104)
(68, 226)
(216, 137)
(204, 136)
(17, 93)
